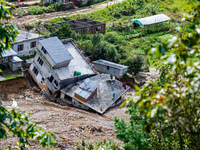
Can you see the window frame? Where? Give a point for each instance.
(35, 71)
(33, 44)
(40, 61)
(44, 50)
(20, 47)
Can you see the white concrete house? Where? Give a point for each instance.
(25, 43)
(10, 59)
(56, 65)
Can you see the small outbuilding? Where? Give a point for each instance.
(110, 67)
(15, 63)
(9, 58)
(155, 19)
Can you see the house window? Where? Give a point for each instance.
(35, 71)
(51, 78)
(20, 47)
(56, 83)
(33, 44)
(44, 50)
(108, 67)
(40, 61)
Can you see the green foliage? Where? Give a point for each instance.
(8, 77)
(51, 8)
(8, 30)
(165, 115)
(24, 57)
(64, 31)
(132, 134)
(135, 64)
(12, 120)
(17, 123)
(1, 72)
(101, 145)
(171, 104)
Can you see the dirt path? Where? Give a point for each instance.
(47, 16)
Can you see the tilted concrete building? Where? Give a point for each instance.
(56, 65)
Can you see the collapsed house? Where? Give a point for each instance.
(84, 26)
(10, 59)
(56, 65)
(110, 67)
(25, 43)
(63, 70)
(97, 93)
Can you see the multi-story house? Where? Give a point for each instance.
(56, 65)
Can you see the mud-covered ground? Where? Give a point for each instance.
(69, 123)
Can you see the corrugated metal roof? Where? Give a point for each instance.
(86, 88)
(56, 50)
(151, 20)
(7, 53)
(15, 59)
(24, 35)
(108, 63)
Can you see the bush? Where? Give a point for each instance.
(135, 64)
(50, 8)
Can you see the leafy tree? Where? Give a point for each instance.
(168, 107)
(8, 30)
(86, 46)
(12, 120)
(132, 135)
(64, 31)
(135, 64)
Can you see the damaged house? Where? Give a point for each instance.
(56, 65)
(96, 93)
(63, 70)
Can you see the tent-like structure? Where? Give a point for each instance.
(155, 19)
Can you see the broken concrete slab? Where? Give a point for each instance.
(104, 98)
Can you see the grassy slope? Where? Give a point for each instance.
(173, 8)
